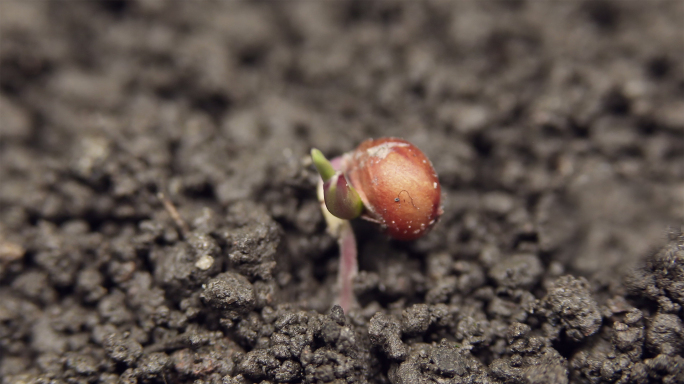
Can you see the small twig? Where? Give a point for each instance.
(171, 209)
(10, 251)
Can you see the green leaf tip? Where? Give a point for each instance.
(323, 166)
(341, 198)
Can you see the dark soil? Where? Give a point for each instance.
(557, 129)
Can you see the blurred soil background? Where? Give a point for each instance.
(556, 127)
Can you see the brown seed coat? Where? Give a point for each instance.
(397, 184)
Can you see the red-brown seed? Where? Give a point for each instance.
(397, 184)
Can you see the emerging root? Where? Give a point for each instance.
(349, 267)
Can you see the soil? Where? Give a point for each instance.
(556, 128)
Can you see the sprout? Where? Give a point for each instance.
(387, 181)
(341, 199)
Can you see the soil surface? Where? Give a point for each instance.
(556, 128)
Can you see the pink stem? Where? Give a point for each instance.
(347, 242)
(348, 267)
